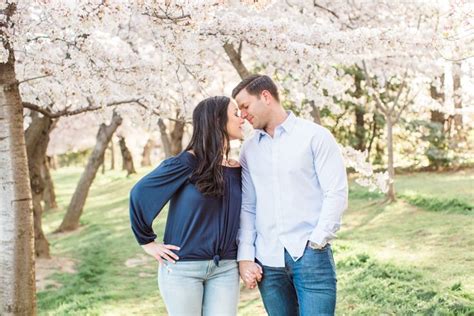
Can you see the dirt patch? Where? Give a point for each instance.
(251, 296)
(146, 275)
(138, 261)
(46, 267)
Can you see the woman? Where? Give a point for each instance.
(198, 272)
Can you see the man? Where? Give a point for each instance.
(294, 192)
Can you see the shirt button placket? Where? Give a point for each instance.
(276, 182)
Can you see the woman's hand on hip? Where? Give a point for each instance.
(161, 251)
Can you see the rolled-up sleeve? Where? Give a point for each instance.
(331, 172)
(150, 195)
(247, 233)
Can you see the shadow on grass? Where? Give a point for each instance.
(429, 203)
(426, 202)
(372, 203)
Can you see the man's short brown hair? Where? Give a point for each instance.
(255, 84)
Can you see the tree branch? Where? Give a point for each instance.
(179, 121)
(236, 60)
(316, 5)
(34, 78)
(325, 9)
(378, 102)
(172, 18)
(407, 103)
(395, 102)
(91, 107)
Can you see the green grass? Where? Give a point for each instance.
(439, 205)
(442, 192)
(400, 259)
(385, 288)
(450, 185)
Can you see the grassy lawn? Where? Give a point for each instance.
(409, 257)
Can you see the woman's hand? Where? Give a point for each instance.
(161, 251)
(251, 273)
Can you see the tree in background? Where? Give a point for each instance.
(76, 206)
(127, 159)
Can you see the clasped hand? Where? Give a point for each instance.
(251, 273)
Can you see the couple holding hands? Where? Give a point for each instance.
(269, 218)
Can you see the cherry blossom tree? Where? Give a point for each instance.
(302, 52)
(17, 277)
(62, 58)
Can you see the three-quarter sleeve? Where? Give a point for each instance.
(151, 193)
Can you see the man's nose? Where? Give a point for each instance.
(243, 114)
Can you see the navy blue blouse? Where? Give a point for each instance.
(205, 228)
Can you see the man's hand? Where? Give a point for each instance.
(251, 273)
(161, 251)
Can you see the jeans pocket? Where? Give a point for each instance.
(324, 249)
(321, 259)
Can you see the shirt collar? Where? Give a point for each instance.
(287, 125)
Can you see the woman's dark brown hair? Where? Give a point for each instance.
(208, 142)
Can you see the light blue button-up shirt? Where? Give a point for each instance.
(294, 190)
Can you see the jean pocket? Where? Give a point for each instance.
(317, 256)
(324, 249)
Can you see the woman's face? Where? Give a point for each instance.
(234, 122)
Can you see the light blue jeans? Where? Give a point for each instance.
(200, 287)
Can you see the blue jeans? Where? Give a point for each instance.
(200, 287)
(306, 287)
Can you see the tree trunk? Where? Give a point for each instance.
(49, 195)
(437, 116)
(146, 160)
(391, 117)
(360, 128)
(236, 60)
(17, 261)
(37, 139)
(391, 168)
(315, 113)
(457, 95)
(112, 154)
(372, 136)
(74, 211)
(127, 159)
(165, 140)
(53, 162)
(360, 131)
(177, 137)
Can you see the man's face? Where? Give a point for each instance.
(253, 109)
